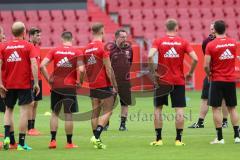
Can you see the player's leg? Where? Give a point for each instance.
(2, 110)
(32, 131)
(203, 106)
(225, 114)
(70, 106)
(13, 144)
(25, 101)
(178, 99)
(124, 114)
(159, 101)
(230, 97)
(215, 100)
(56, 105)
(10, 100)
(96, 110)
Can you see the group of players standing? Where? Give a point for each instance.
(20, 79)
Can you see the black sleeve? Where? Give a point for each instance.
(131, 54)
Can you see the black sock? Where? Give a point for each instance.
(219, 133)
(224, 120)
(98, 132)
(7, 130)
(29, 124)
(53, 135)
(69, 138)
(158, 134)
(33, 123)
(236, 131)
(123, 121)
(12, 138)
(22, 139)
(179, 134)
(200, 121)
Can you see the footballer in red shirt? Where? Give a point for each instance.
(220, 68)
(171, 50)
(65, 60)
(19, 59)
(101, 80)
(35, 39)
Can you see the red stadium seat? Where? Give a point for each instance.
(81, 15)
(46, 42)
(136, 4)
(83, 28)
(125, 17)
(218, 13)
(206, 4)
(137, 29)
(171, 13)
(45, 15)
(160, 14)
(69, 16)
(197, 37)
(183, 4)
(136, 14)
(194, 3)
(194, 13)
(231, 24)
(206, 13)
(232, 34)
(197, 25)
(19, 16)
(159, 4)
(149, 35)
(6, 16)
(217, 4)
(171, 3)
(229, 3)
(149, 4)
(68, 26)
(183, 13)
(112, 6)
(229, 12)
(32, 16)
(149, 26)
(57, 15)
(186, 35)
(160, 25)
(124, 4)
(108, 37)
(82, 40)
(184, 25)
(148, 14)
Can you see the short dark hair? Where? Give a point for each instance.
(220, 26)
(34, 30)
(117, 33)
(96, 28)
(66, 35)
(171, 24)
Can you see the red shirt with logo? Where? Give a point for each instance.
(16, 57)
(3, 66)
(65, 64)
(171, 52)
(223, 55)
(38, 58)
(94, 54)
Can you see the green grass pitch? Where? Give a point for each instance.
(133, 144)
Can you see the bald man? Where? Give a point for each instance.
(14, 55)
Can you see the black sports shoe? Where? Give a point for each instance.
(122, 128)
(196, 125)
(225, 124)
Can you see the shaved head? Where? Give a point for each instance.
(18, 29)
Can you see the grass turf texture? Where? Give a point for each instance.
(133, 144)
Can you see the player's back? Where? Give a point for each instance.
(16, 56)
(171, 51)
(96, 72)
(223, 56)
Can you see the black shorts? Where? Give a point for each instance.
(222, 90)
(2, 105)
(101, 93)
(124, 92)
(24, 97)
(178, 98)
(39, 96)
(66, 98)
(205, 89)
